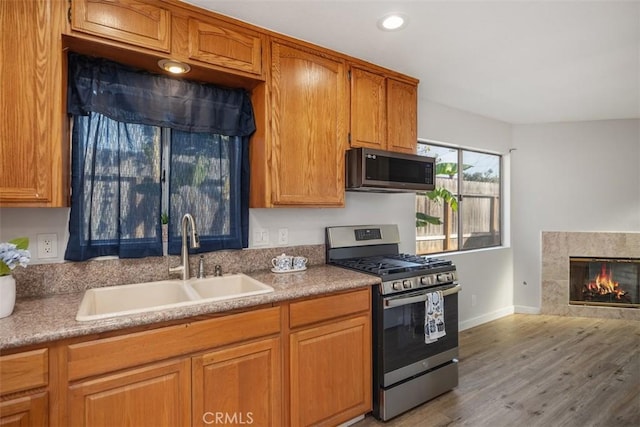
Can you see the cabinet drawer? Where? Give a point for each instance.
(219, 43)
(129, 21)
(24, 371)
(330, 307)
(110, 354)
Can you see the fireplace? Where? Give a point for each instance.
(557, 249)
(610, 282)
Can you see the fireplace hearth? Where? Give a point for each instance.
(605, 282)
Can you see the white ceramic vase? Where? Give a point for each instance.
(7, 295)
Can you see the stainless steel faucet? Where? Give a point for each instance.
(183, 268)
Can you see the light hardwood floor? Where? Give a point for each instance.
(533, 370)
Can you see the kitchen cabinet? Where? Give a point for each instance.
(33, 156)
(402, 116)
(24, 378)
(224, 44)
(383, 111)
(177, 375)
(134, 22)
(301, 162)
(245, 380)
(155, 395)
(330, 359)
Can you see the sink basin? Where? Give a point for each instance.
(102, 303)
(231, 286)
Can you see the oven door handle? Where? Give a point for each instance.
(398, 302)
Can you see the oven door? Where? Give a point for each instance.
(404, 351)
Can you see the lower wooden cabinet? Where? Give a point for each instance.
(154, 395)
(238, 385)
(330, 370)
(24, 380)
(305, 362)
(330, 359)
(31, 410)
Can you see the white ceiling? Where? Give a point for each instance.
(511, 60)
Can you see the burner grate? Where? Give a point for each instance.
(391, 264)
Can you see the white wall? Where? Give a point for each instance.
(486, 276)
(580, 176)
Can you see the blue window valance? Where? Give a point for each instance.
(128, 95)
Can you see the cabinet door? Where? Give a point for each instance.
(368, 109)
(26, 411)
(308, 126)
(134, 22)
(330, 372)
(32, 158)
(155, 395)
(402, 116)
(227, 45)
(238, 385)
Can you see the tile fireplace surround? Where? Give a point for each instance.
(558, 246)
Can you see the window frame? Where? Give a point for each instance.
(460, 150)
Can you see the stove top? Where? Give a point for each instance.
(392, 264)
(374, 249)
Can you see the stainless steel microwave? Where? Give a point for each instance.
(389, 172)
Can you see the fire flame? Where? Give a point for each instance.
(603, 284)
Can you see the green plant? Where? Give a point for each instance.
(437, 195)
(164, 218)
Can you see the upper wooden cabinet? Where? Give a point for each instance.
(368, 109)
(402, 116)
(33, 155)
(383, 112)
(220, 43)
(141, 24)
(167, 29)
(304, 149)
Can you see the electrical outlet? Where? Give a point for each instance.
(47, 245)
(283, 236)
(260, 237)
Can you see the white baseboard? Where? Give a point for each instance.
(488, 317)
(525, 309)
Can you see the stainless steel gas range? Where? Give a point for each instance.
(410, 367)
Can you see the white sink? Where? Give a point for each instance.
(226, 287)
(102, 303)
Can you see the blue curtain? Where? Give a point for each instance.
(206, 181)
(116, 192)
(116, 160)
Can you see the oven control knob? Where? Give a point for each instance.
(406, 284)
(426, 281)
(445, 277)
(396, 286)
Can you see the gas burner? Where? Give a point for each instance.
(385, 265)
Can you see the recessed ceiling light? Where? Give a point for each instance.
(392, 22)
(174, 67)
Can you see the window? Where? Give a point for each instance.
(144, 145)
(464, 211)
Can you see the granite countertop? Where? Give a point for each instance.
(40, 320)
